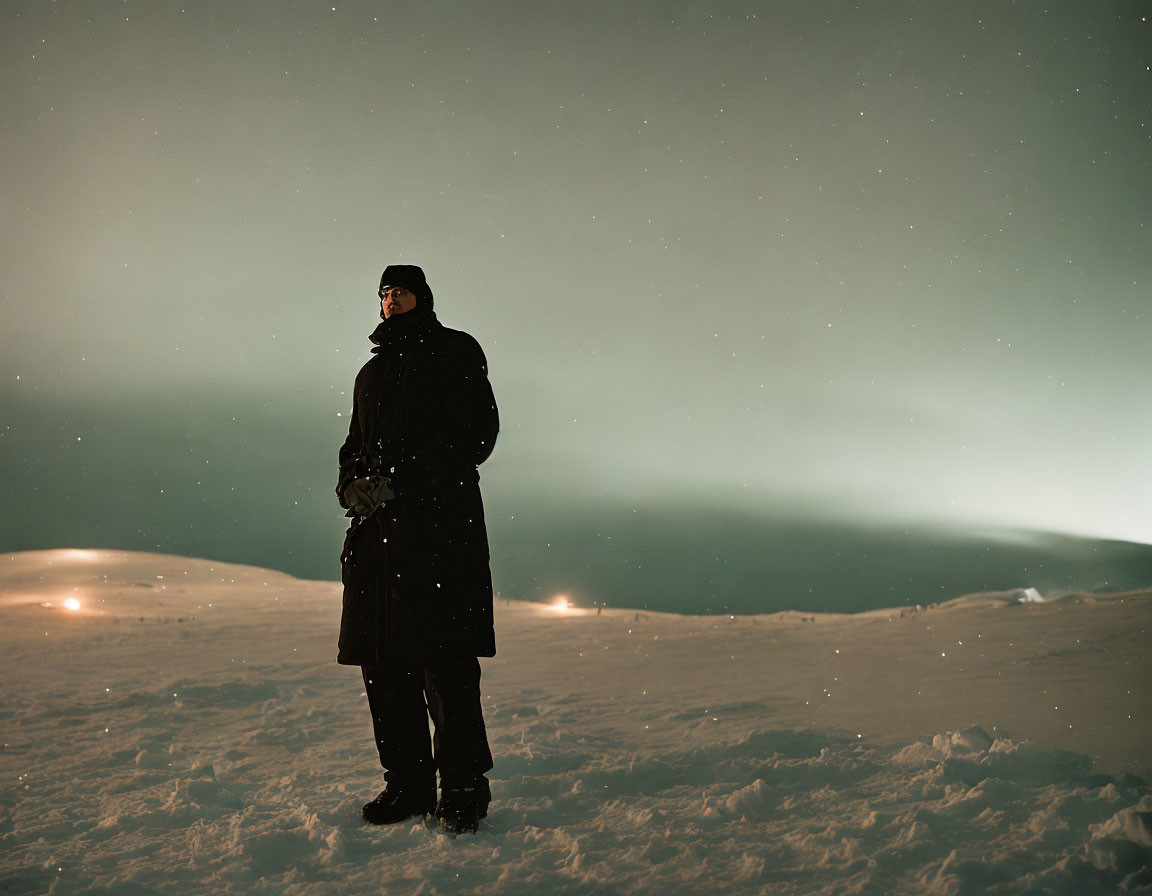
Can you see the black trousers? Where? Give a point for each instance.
(397, 689)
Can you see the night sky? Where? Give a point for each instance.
(885, 265)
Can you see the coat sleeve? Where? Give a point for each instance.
(458, 432)
(351, 454)
(473, 418)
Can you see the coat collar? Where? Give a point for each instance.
(399, 329)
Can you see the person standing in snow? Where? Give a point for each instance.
(417, 606)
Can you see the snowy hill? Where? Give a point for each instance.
(178, 725)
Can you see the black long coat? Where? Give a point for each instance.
(416, 572)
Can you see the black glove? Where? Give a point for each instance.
(366, 494)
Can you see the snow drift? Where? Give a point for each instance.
(185, 729)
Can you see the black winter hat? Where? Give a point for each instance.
(411, 278)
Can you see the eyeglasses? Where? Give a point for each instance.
(391, 292)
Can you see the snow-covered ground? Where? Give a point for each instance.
(180, 726)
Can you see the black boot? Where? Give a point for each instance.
(463, 802)
(402, 798)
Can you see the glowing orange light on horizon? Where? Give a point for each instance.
(72, 603)
(78, 553)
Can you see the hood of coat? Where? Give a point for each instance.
(402, 327)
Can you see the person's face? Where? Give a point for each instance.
(396, 300)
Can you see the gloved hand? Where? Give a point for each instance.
(367, 493)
